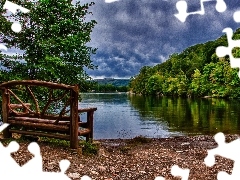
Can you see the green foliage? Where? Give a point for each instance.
(115, 82)
(89, 148)
(154, 84)
(139, 83)
(196, 86)
(182, 84)
(55, 142)
(125, 149)
(96, 87)
(53, 38)
(197, 71)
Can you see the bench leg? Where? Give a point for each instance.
(90, 125)
(7, 133)
(87, 138)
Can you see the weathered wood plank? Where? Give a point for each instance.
(74, 120)
(18, 106)
(46, 121)
(46, 116)
(58, 136)
(86, 110)
(38, 83)
(40, 125)
(83, 132)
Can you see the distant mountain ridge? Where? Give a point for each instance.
(114, 82)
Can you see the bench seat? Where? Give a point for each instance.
(47, 124)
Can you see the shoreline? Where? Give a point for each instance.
(126, 159)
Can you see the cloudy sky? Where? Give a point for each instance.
(131, 34)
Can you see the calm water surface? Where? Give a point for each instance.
(127, 116)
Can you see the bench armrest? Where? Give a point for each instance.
(90, 112)
(87, 110)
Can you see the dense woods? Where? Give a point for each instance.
(197, 71)
(105, 85)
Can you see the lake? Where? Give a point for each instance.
(120, 115)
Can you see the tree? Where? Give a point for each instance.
(139, 83)
(182, 84)
(154, 85)
(195, 86)
(53, 37)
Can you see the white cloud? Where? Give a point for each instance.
(162, 58)
(110, 1)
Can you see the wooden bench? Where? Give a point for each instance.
(26, 114)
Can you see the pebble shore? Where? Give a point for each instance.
(123, 159)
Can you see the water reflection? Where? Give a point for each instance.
(191, 116)
(125, 116)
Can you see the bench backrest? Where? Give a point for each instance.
(41, 99)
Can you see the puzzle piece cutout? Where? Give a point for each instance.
(177, 171)
(7, 163)
(182, 8)
(33, 168)
(85, 178)
(236, 16)
(226, 150)
(222, 51)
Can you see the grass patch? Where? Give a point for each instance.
(55, 142)
(125, 149)
(89, 148)
(140, 140)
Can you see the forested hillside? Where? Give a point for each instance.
(105, 85)
(197, 71)
(114, 82)
(110, 85)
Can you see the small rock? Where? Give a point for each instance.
(102, 168)
(101, 152)
(186, 143)
(52, 163)
(50, 167)
(94, 172)
(74, 175)
(179, 151)
(112, 169)
(81, 166)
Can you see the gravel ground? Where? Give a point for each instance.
(128, 159)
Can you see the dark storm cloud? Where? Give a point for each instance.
(133, 33)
